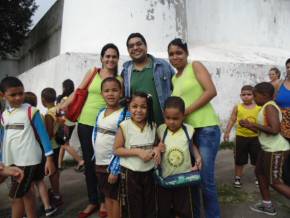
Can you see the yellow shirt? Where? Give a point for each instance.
(244, 113)
(176, 158)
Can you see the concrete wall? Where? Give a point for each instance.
(244, 22)
(87, 27)
(8, 67)
(43, 42)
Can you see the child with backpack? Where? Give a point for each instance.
(48, 98)
(21, 148)
(103, 137)
(177, 158)
(275, 148)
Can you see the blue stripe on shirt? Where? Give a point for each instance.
(42, 134)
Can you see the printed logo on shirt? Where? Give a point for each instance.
(175, 157)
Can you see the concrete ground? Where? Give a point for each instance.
(234, 203)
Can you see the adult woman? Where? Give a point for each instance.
(193, 84)
(67, 89)
(274, 75)
(283, 101)
(87, 118)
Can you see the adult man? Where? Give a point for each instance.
(147, 73)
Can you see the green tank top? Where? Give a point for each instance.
(93, 104)
(188, 88)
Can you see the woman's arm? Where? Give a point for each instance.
(204, 79)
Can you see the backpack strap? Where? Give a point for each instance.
(95, 130)
(190, 143)
(30, 117)
(123, 116)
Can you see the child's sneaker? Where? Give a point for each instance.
(50, 211)
(257, 183)
(261, 208)
(237, 182)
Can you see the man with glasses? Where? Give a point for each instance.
(147, 74)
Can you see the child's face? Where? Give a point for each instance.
(15, 96)
(173, 118)
(261, 99)
(247, 96)
(111, 93)
(138, 109)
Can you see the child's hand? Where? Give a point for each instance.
(157, 155)
(112, 179)
(226, 136)
(145, 155)
(16, 172)
(247, 124)
(49, 166)
(161, 147)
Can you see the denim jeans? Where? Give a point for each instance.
(208, 140)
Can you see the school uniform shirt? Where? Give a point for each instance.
(20, 146)
(135, 137)
(104, 134)
(271, 143)
(176, 158)
(52, 113)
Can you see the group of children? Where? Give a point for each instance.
(258, 135)
(128, 146)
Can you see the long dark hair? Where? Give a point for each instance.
(112, 46)
(149, 102)
(68, 88)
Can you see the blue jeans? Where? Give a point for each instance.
(208, 140)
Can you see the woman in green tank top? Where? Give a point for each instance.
(87, 119)
(193, 84)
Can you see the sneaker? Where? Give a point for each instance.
(237, 183)
(261, 208)
(50, 211)
(257, 183)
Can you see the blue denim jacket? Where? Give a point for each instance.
(162, 72)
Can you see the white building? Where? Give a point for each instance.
(238, 41)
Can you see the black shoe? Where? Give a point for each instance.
(50, 211)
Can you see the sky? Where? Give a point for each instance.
(43, 6)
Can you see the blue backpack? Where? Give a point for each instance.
(181, 179)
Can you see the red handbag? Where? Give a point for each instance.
(75, 108)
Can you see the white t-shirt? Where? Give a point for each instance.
(105, 136)
(135, 137)
(20, 146)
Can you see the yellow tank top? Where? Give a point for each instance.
(249, 114)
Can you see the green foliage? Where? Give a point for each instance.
(15, 20)
(229, 194)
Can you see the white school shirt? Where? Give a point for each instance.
(20, 146)
(103, 145)
(135, 137)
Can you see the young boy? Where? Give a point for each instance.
(247, 142)
(275, 148)
(48, 98)
(176, 159)
(21, 148)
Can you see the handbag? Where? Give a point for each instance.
(75, 108)
(181, 179)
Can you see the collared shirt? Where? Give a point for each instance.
(143, 80)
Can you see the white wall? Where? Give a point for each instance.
(88, 25)
(263, 23)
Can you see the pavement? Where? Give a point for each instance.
(234, 202)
